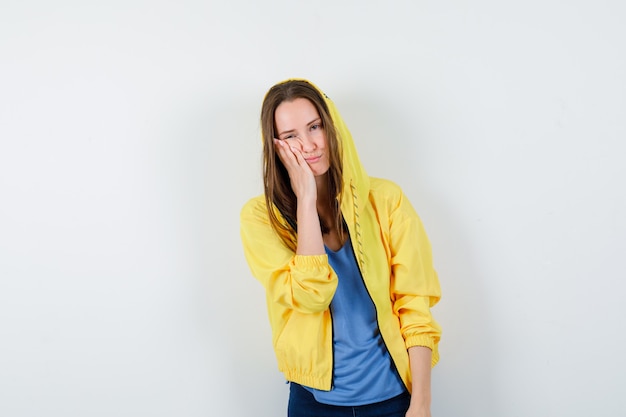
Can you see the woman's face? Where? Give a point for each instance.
(299, 124)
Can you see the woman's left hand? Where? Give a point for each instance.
(417, 411)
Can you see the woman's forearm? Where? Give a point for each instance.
(420, 361)
(310, 240)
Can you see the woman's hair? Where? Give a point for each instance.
(278, 192)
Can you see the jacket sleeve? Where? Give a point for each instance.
(414, 283)
(302, 283)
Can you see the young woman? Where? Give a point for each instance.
(346, 265)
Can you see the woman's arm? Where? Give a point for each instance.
(415, 289)
(420, 359)
(310, 240)
(415, 286)
(302, 281)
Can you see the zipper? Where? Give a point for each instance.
(360, 265)
(332, 349)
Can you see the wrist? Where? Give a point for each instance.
(307, 205)
(420, 395)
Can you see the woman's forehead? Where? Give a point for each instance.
(292, 114)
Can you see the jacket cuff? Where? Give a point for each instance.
(420, 340)
(310, 260)
(425, 341)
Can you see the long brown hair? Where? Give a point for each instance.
(278, 193)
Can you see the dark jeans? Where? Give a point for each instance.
(303, 404)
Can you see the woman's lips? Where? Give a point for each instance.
(313, 159)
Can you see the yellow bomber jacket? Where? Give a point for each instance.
(393, 254)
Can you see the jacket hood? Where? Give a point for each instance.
(356, 182)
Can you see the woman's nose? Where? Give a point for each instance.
(307, 142)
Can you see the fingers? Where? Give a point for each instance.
(281, 149)
(300, 174)
(300, 158)
(290, 156)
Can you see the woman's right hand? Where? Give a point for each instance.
(300, 174)
(310, 241)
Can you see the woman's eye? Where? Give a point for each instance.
(316, 127)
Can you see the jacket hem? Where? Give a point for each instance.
(310, 381)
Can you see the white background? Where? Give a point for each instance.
(129, 140)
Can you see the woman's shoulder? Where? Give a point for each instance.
(255, 207)
(384, 188)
